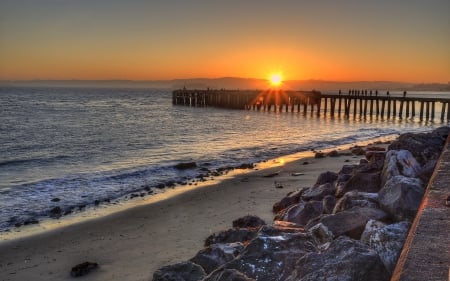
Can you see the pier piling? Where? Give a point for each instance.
(357, 103)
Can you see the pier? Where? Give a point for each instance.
(361, 104)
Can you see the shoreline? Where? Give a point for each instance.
(133, 243)
(47, 224)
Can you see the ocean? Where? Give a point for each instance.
(75, 148)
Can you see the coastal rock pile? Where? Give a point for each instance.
(350, 225)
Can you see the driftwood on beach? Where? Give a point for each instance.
(350, 225)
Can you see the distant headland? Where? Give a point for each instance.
(231, 83)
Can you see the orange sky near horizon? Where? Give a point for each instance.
(137, 40)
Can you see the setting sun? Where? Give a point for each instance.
(276, 79)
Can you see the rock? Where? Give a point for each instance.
(328, 203)
(371, 226)
(83, 269)
(56, 212)
(365, 182)
(400, 162)
(273, 257)
(231, 236)
(355, 198)
(318, 192)
(423, 146)
(321, 234)
(401, 197)
(319, 155)
(427, 170)
(350, 222)
(227, 275)
(183, 271)
(347, 169)
(290, 199)
(326, 177)
(216, 255)
(375, 148)
(248, 221)
(375, 156)
(286, 226)
(302, 212)
(246, 166)
(358, 151)
(185, 166)
(333, 153)
(345, 259)
(388, 243)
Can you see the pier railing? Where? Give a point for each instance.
(362, 104)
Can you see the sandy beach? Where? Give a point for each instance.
(132, 244)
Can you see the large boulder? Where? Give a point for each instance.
(350, 222)
(272, 257)
(365, 182)
(424, 146)
(388, 242)
(370, 228)
(290, 199)
(344, 260)
(302, 212)
(318, 192)
(400, 162)
(249, 221)
(355, 198)
(427, 170)
(231, 235)
(328, 203)
(216, 255)
(401, 197)
(326, 177)
(227, 275)
(183, 271)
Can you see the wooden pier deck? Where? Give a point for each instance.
(354, 104)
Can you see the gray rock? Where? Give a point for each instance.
(344, 260)
(290, 199)
(321, 234)
(302, 212)
(401, 197)
(326, 177)
(328, 203)
(249, 221)
(231, 236)
(388, 242)
(356, 199)
(216, 255)
(183, 271)
(227, 275)
(400, 162)
(318, 192)
(427, 170)
(371, 226)
(347, 169)
(269, 258)
(350, 222)
(365, 182)
(424, 146)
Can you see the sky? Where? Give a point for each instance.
(346, 40)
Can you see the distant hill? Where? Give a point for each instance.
(232, 83)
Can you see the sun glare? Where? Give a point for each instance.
(276, 79)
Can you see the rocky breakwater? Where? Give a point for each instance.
(351, 225)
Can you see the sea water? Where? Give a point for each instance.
(77, 147)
